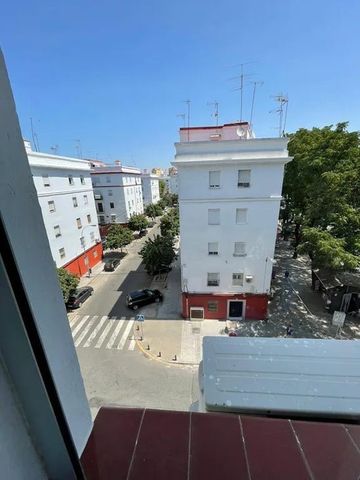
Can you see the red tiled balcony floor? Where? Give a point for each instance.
(134, 444)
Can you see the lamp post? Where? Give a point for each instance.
(83, 241)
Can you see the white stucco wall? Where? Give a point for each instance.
(150, 189)
(62, 193)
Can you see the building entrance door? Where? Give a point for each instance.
(235, 309)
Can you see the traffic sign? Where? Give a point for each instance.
(140, 317)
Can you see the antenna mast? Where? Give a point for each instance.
(34, 136)
(283, 100)
(216, 111)
(259, 83)
(188, 102)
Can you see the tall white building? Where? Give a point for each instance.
(171, 183)
(150, 188)
(118, 193)
(229, 197)
(67, 204)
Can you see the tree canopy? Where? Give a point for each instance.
(138, 222)
(68, 282)
(170, 223)
(157, 252)
(162, 188)
(322, 195)
(118, 237)
(168, 200)
(153, 210)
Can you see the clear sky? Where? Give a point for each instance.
(114, 74)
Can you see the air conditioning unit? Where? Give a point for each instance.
(249, 278)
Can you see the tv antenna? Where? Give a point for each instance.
(188, 103)
(215, 104)
(183, 116)
(34, 136)
(242, 78)
(282, 109)
(256, 84)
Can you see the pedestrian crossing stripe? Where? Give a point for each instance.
(102, 332)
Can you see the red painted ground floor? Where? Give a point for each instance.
(81, 264)
(225, 306)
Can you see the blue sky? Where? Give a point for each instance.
(114, 74)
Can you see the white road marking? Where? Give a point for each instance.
(105, 333)
(132, 345)
(85, 331)
(79, 325)
(115, 333)
(95, 331)
(73, 320)
(125, 335)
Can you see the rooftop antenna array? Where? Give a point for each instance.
(242, 78)
(188, 103)
(282, 110)
(215, 104)
(34, 136)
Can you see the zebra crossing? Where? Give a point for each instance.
(96, 331)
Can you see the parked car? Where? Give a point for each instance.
(111, 264)
(143, 297)
(142, 233)
(161, 269)
(79, 296)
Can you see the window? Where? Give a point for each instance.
(241, 215)
(82, 241)
(82, 180)
(92, 236)
(46, 180)
(101, 219)
(239, 249)
(110, 193)
(57, 231)
(244, 178)
(88, 216)
(129, 204)
(113, 218)
(213, 279)
(86, 261)
(213, 248)
(75, 203)
(108, 179)
(86, 201)
(212, 306)
(111, 204)
(214, 216)
(62, 252)
(78, 223)
(100, 207)
(237, 279)
(71, 180)
(51, 204)
(214, 179)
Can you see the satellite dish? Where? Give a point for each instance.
(240, 132)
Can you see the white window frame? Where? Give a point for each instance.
(213, 248)
(51, 204)
(71, 180)
(214, 182)
(57, 231)
(75, 202)
(237, 279)
(46, 180)
(88, 216)
(213, 279)
(244, 178)
(236, 217)
(86, 200)
(239, 249)
(214, 212)
(78, 223)
(82, 180)
(62, 252)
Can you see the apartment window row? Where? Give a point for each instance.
(239, 249)
(213, 279)
(214, 216)
(243, 178)
(78, 220)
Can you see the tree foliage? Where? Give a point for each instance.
(68, 282)
(157, 252)
(118, 237)
(170, 223)
(138, 222)
(169, 200)
(322, 195)
(162, 188)
(153, 210)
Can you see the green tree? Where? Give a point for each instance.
(138, 222)
(153, 210)
(170, 224)
(322, 195)
(162, 188)
(68, 282)
(118, 237)
(157, 252)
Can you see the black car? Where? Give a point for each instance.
(110, 265)
(78, 297)
(143, 297)
(142, 233)
(161, 269)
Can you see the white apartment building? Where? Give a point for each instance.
(171, 183)
(150, 188)
(229, 198)
(118, 193)
(66, 199)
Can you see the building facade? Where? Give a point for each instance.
(150, 188)
(229, 198)
(67, 205)
(118, 193)
(171, 183)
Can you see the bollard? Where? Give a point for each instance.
(148, 347)
(137, 328)
(140, 338)
(159, 354)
